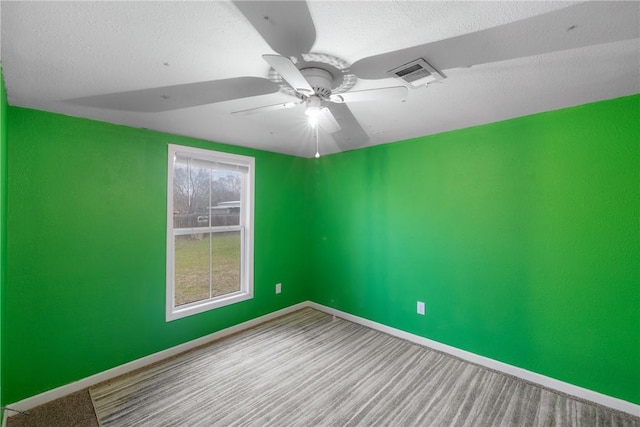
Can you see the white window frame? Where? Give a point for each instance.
(245, 228)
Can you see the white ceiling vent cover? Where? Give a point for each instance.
(417, 73)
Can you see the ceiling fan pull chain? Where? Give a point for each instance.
(317, 151)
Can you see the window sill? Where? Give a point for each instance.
(175, 313)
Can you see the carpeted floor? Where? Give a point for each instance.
(74, 410)
(306, 369)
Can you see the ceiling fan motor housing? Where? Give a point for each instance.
(320, 80)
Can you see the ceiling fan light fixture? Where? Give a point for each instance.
(312, 111)
(314, 105)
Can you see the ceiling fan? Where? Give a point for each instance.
(323, 83)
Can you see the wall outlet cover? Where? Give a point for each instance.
(420, 307)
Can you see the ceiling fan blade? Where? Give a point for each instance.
(327, 122)
(288, 70)
(351, 135)
(168, 98)
(381, 94)
(582, 25)
(286, 26)
(264, 109)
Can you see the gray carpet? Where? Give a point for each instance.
(73, 410)
(306, 369)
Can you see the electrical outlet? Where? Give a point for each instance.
(420, 308)
(278, 288)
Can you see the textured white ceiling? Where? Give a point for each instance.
(54, 52)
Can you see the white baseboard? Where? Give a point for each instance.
(548, 382)
(48, 396)
(551, 383)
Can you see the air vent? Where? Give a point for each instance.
(417, 73)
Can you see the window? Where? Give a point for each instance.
(209, 230)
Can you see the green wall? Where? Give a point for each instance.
(3, 213)
(86, 249)
(520, 236)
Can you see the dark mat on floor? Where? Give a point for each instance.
(74, 410)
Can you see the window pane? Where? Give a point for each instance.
(225, 198)
(226, 262)
(191, 194)
(192, 268)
